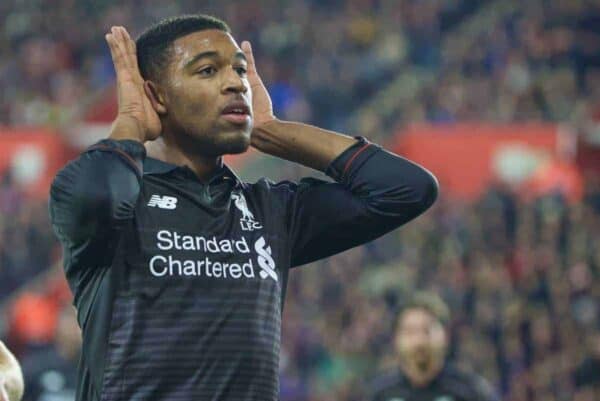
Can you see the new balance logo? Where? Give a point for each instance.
(163, 202)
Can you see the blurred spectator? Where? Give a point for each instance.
(320, 59)
(11, 378)
(587, 374)
(26, 242)
(51, 371)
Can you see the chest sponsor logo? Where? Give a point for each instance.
(163, 202)
(247, 222)
(167, 264)
(265, 261)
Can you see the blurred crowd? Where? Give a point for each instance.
(321, 59)
(522, 279)
(26, 239)
(537, 62)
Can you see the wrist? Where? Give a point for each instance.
(264, 120)
(127, 127)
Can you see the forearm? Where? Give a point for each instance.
(389, 184)
(300, 143)
(10, 374)
(376, 191)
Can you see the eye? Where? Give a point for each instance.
(241, 71)
(207, 71)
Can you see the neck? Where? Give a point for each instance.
(169, 151)
(422, 378)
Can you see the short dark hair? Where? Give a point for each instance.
(428, 301)
(154, 44)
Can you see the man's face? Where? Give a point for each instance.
(421, 342)
(206, 94)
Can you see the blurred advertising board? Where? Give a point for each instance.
(533, 158)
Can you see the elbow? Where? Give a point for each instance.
(74, 209)
(81, 199)
(427, 191)
(100, 200)
(411, 197)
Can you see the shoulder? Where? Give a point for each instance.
(473, 385)
(283, 189)
(383, 382)
(267, 185)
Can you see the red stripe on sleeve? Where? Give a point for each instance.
(349, 162)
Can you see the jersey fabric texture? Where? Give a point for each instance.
(179, 284)
(450, 385)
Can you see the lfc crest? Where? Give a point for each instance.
(247, 222)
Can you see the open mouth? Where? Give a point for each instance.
(237, 113)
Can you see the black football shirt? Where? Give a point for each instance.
(179, 284)
(450, 385)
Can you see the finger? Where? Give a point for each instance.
(109, 41)
(130, 45)
(117, 57)
(132, 53)
(113, 42)
(247, 49)
(122, 45)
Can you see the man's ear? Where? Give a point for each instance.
(156, 97)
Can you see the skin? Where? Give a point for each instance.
(179, 116)
(195, 90)
(68, 334)
(421, 343)
(11, 378)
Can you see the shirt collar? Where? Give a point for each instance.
(155, 166)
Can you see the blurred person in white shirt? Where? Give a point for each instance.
(11, 377)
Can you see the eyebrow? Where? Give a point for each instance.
(213, 54)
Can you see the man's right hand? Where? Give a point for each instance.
(136, 119)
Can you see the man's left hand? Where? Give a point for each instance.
(261, 101)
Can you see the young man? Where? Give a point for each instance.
(421, 342)
(178, 268)
(11, 377)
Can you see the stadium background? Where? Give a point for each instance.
(499, 98)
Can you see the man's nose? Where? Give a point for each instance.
(421, 340)
(234, 83)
